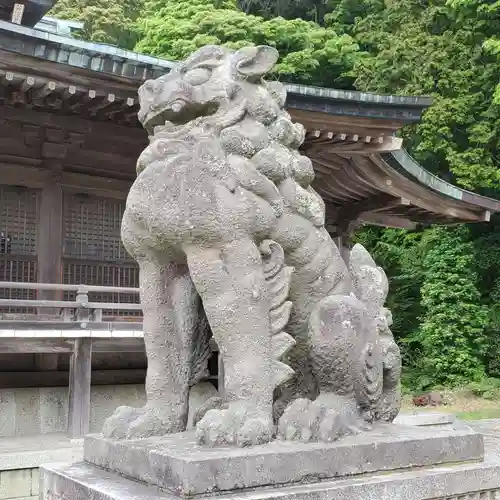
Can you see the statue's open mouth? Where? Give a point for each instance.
(180, 112)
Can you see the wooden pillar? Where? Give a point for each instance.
(79, 388)
(341, 242)
(49, 252)
(345, 232)
(49, 248)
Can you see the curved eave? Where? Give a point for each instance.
(378, 189)
(404, 163)
(97, 59)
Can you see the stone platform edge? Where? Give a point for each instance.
(83, 481)
(175, 463)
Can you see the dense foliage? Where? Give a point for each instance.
(433, 48)
(105, 21)
(309, 53)
(451, 334)
(445, 282)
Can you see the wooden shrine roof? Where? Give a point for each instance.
(74, 104)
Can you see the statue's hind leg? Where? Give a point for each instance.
(170, 306)
(345, 365)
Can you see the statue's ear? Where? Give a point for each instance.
(252, 63)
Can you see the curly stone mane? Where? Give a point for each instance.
(230, 239)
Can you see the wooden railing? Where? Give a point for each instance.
(78, 327)
(70, 326)
(79, 312)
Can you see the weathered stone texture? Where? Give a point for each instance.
(465, 482)
(44, 410)
(230, 240)
(176, 463)
(19, 484)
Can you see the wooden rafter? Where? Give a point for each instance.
(98, 156)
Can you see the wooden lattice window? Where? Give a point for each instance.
(18, 220)
(93, 251)
(92, 228)
(19, 208)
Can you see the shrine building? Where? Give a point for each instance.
(71, 346)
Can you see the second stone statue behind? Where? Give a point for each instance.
(230, 239)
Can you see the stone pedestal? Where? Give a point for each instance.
(391, 462)
(429, 420)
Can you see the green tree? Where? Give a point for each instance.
(448, 50)
(105, 21)
(432, 48)
(451, 334)
(486, 241)
(488, 15)
(310, 10)
(309, 53)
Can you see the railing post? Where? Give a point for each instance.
(79, 388)
(82, 312)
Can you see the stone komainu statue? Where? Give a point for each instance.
(230, 240)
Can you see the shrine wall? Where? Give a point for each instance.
(44, 410)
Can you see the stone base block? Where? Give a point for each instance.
(177, 464)
(425, 419)
(84, 481)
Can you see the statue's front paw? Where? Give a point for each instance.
(154, 422)
(137, 423)
(239, 424)
(327, 419)
(116, 426)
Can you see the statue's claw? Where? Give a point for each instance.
(137, 423)
(238, 424)
(327, 419)
(117, 425)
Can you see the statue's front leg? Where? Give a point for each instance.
(170, 306)
(230, 279)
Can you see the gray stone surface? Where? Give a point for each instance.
(7, 412)
(21, 457)
(53, 409)
(40, 411)
(230, 239)
(29, 453)
(15, 483)
(20, 484)
(200, 395)
(27, 412)
(470, 481)
(487, 426)
(177, 463)
(423, 419)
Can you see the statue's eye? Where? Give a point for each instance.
(197, 76)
